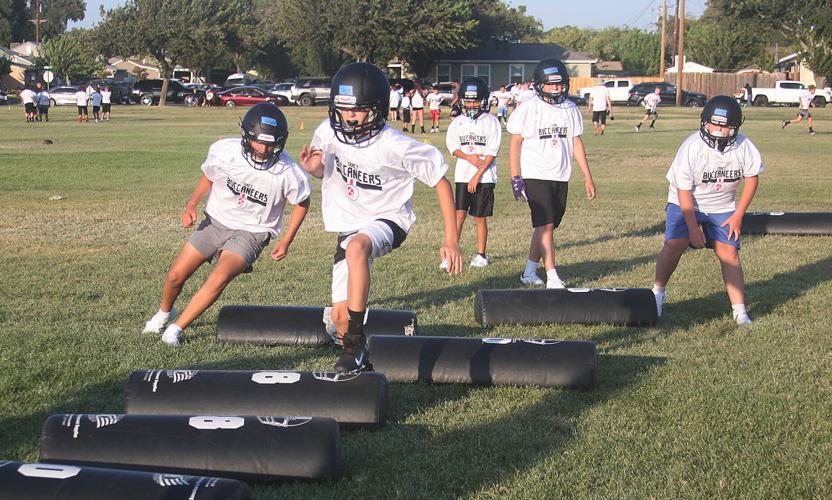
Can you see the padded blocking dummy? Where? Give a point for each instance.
(796, 223)
(353, 400)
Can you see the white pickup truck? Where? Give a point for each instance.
(619, 89)
(787, 93)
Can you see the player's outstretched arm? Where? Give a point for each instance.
(695, 234)
(299, 212)
(580, 157)
(450, 248)
(312, 160)
(203, 187)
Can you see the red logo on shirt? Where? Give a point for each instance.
(241, 200)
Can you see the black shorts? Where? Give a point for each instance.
(96, 109)
(478, 204)
(417, 109)
(82, 110)
(650, 112)
(29, 107)
(105, 107)
(599, 116)
(547, 201)
(406, 115)
(43, 110)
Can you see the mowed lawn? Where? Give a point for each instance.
(694, 407)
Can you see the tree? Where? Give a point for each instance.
(497, 21)
(637, 50)
(16, 16)
(67, 58)
(709, 43)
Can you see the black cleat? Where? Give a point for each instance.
(353, 360)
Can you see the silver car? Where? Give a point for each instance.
(62, 96)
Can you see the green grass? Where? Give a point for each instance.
(691, 408)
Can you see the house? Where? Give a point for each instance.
(501, 63)
(139, 68)
(28, 49)
(689, 67)
(19, 64)
(796, 69)
(608, 69)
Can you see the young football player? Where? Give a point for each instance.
(43, 101)
(434, 100)
(650, 103)
(27, 97)
(249, 183)
(807, 100)
(81, 101)
(369, 170)
(702, 210)
(503, 99)
(545, 135)
(600, 105)
(473, 138)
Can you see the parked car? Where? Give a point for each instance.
(3, 97)
(148, 92)
(249, 96)
(577, 99)
(62, 96)
(310, 91)
(446, 90)
(120, 90)
(787, 92)
(282, 89)
(668, 95)
(619, 89)
(238, 79)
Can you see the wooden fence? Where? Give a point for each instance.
(710, 84)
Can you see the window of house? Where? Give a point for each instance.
(477, 70)
(516, 73)
(443, 73)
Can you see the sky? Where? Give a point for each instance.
(552, 13)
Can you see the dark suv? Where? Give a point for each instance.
(310, 91)
(668, 95)
(148, 92)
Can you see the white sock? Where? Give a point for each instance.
(658, 289)
(162, 314)
(552, 274)
(738, 309)
(173, 329)
(531, 268)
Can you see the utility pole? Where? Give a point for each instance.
(662, 56)
(676, 28)
(680, 64)
(37, 20)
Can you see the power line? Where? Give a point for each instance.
(638, 16)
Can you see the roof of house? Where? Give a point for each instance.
(15, 57)
(494, 51)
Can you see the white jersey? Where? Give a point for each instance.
(712, 176)
(548, 133)
(374, 180)
(599, 97)
(106, 95)
(27, 96)
(651, 101)
(395, 98)
(406, 102)
(525, 95)
(480, 137)
(248, 199)
(503, 98)
(81, 98)
(434, 100)
(417, 101)
(806, 99)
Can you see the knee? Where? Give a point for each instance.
(340, 316)
(677, 245)
(358, 249)
(176, 277)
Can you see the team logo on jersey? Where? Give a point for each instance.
(355, 178)
(352, 192)
(552, 133)
(241, 201)
(246, 193)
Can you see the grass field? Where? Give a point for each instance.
(694, 407)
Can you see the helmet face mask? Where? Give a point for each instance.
(473, 93)
(263, 124)
(361, 87)
(549, 71)
(720, 113)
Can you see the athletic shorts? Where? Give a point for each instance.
(43, 110)
(434, 114)
(502, 111)
(650, 112)
(599, 116)
(478, 204)
(385, 236)
(547, 201)
(804, 113)
(29, 108)
(211, 238)
(406, 115)
(417, 109)
(711, 225)
(82, 110)
(96, 109)
(105, 107)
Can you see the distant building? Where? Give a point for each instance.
(689, 67)
(501, 63)
(19, 63)
(797, 70)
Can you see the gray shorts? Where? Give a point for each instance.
(211, 238)
(804, 113)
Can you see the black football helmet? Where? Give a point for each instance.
(265, 124)
(551, 71)
(474, 91)
(359, 85)
(724, 111)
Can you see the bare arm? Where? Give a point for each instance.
(299, 212)
(580, 157)
(695, 234)
(450, 247)
(203, 187)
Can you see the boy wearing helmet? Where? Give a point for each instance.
(369, 171)
(545, 135)
(474, 139)
(249, 183)
(702, 210)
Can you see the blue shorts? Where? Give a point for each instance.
(501, 111)
(711, 226)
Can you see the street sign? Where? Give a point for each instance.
(48, 76)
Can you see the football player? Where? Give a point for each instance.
(807, 100)
(650, 103)
(702, 210)
(369, 171)
(249, 182)
(545, 136)
(474, 139)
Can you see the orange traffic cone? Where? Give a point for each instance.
(301, 126)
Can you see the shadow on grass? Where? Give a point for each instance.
(645, 232)
(765, 296)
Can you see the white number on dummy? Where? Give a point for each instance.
(276, 377)
(212, 423)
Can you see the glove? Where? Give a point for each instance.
(612, 117)
(518, 187)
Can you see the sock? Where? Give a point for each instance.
(810, 129)
(737, 309)
(172, 328)
(658, 289)
(553, 274)
(481, 254)
(163, 313)
(638, 126)
(531, 268)
(355, 323)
